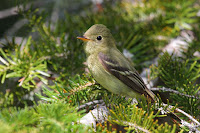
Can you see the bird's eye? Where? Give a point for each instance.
(99, 38)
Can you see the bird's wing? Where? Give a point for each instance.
(129, 77)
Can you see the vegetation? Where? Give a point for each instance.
(49, 64)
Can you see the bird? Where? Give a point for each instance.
(109, 67)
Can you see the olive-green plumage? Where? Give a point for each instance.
(109, 66)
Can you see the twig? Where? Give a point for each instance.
(191, 126)
(90, 103)
(189, 116)
(174, 91)
(9, 12)
(135, 126)
(14, 10)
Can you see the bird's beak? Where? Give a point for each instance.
(83, 38)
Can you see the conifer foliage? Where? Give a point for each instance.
(49, 64)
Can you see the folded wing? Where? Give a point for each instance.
(129, 77)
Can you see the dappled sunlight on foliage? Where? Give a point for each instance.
(45, 83)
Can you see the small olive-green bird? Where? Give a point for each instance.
(109, 67)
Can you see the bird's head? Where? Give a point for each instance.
(97, 38)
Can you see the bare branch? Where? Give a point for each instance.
(9, 12)
(90, 103)
(189, 116)
(173, 91)
(14, 10)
